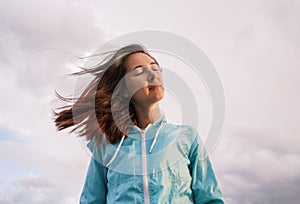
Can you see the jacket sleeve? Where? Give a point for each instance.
(204, 184)
(95, 186)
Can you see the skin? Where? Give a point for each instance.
(144, 82)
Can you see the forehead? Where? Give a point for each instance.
(138, 59)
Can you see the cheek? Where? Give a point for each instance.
(161, 79)
(133, 85)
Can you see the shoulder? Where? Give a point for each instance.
(101, 152)
(183, 134)
(182, 130)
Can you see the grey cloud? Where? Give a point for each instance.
(58, 179)
(57, 24)
(33, 182)
(284, 16)
(37, 190)
(257, 160)
(254, 169)
(30, 28)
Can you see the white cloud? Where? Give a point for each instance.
(254, 46)
(250, 165)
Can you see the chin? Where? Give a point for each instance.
(159, 98)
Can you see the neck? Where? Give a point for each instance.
(147, 115)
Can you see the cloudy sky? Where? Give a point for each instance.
(254, 45)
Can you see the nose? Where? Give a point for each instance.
(152, 74)
(151, 77)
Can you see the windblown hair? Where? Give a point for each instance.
(91, 114)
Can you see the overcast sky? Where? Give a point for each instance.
(254, 45)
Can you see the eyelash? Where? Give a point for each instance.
(142, 70)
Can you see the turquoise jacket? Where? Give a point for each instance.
(165, 163)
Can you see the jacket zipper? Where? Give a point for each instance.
(144, 165)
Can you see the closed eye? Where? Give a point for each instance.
(155, 68)
(140, 70)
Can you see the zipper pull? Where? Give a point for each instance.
(143, 134)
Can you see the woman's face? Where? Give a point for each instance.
(143, 80)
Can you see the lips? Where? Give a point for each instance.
(151, 87)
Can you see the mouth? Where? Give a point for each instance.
(152, 87)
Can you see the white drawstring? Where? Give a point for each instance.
(156, 136)
(116, 152)
(120, 144)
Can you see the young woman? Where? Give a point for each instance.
(137, 156)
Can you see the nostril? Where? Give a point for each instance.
(151, 78)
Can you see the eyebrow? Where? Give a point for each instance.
(142, 65)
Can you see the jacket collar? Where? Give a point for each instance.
(150, 131)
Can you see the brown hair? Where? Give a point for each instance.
(91, 112)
